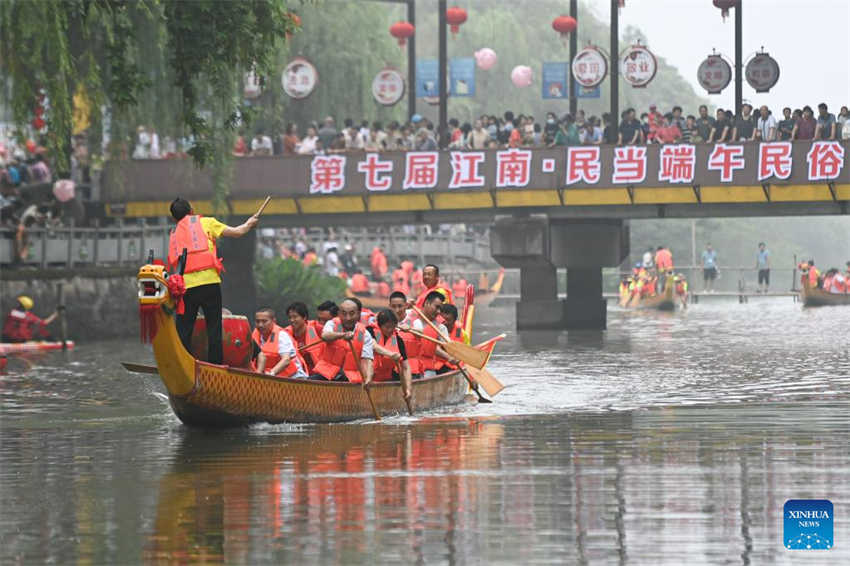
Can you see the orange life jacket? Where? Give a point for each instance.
(447, 295)
(400, 281)
(459, 287)
(384, 366)
(310, 259)
(383, 289)
(337, 355)
(813, 276)
(359, 283)
(428, 351)
(269, 348)
(456, 335)
(190, 234)
(21, 325)
(827, 283)
(310, 336)
(663, 260)
(368, 318)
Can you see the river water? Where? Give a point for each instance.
(671, 438)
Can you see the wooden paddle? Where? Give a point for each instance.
(474, 385)
(310, 345)
(263, 206)
(491, 385)
(140, 368)
(463, 352)
(63, 323)
(363, 377)
(400, 380)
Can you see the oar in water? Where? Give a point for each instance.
(464, 352)
(363, 377)
(490, 384)
(140, 368)
(401, 383)
(60, 308)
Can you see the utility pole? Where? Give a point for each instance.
(443, 76)
(739, 73)
(615, 63)
(573, 48)
(411, 61)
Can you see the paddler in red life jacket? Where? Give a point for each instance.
(337, 362)
(391, 353)
(431, 282)
(21, 325)
(360, 284)
(398, 304)
(303, 333)
(275, 352)
(452, 324)
(198, 234)
(430, 357)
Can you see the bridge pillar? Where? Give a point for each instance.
(538, 245)
(238, 289)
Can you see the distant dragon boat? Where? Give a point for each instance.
(665, 301)
(209, 395)
(816, 297)
(33, 346)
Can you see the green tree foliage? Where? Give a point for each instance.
(107, 46)
(280, 282)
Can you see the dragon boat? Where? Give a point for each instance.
(816, 297)
(33, 346)
(664, 301)
(210, 395)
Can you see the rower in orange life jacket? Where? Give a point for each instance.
(21, 325)
(459, 287)
(430, 357)
(431, 282)
(391, 361)
(337, 361)
(452, 324)
(304, 333)
(401, 282)
(359, 284)
(276, 352)
(814, 274)
(202, 274)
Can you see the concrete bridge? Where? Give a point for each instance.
(550, 208)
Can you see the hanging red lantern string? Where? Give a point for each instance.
(725, 6)
(455, 16)
(564, 25)
(38, 123)
(401, 31)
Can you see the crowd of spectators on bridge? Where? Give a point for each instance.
(524, 131)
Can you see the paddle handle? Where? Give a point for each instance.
(60, 308)
(263, 206)
(427, 320)
(181, 263)
(423, 336)
(363, 377)
(310, 345)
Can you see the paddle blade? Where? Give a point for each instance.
(467, 354)
(140, 368)
(486, 380)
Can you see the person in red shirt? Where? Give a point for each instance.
(21, 325)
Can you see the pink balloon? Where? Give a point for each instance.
(485, 58)
(521, 76)
(63, 190)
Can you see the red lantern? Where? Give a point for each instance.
(455, 16)
(725, 6)
(401, 31)
(564, 25)
(37, 123)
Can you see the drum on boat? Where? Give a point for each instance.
(235, 340)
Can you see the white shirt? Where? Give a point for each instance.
(286, 349)
(764, 126)
(307, 145)
(368, 343)
(419, 326)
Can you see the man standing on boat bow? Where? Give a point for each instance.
(198, 235)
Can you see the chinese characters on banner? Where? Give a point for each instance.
(682, 164)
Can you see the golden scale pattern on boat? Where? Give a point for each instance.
(274, 399)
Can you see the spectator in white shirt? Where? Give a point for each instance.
(765, 125)
(261, 144)
(307, 145)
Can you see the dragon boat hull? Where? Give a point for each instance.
(209, 395)
(816, 297)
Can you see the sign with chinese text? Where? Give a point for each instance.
(427, 78)
(638, 65)
(462, 76)
(590, 67)
(714, 74)
(762, 72)
(555, 80)
(299, 78)
(388, 86)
